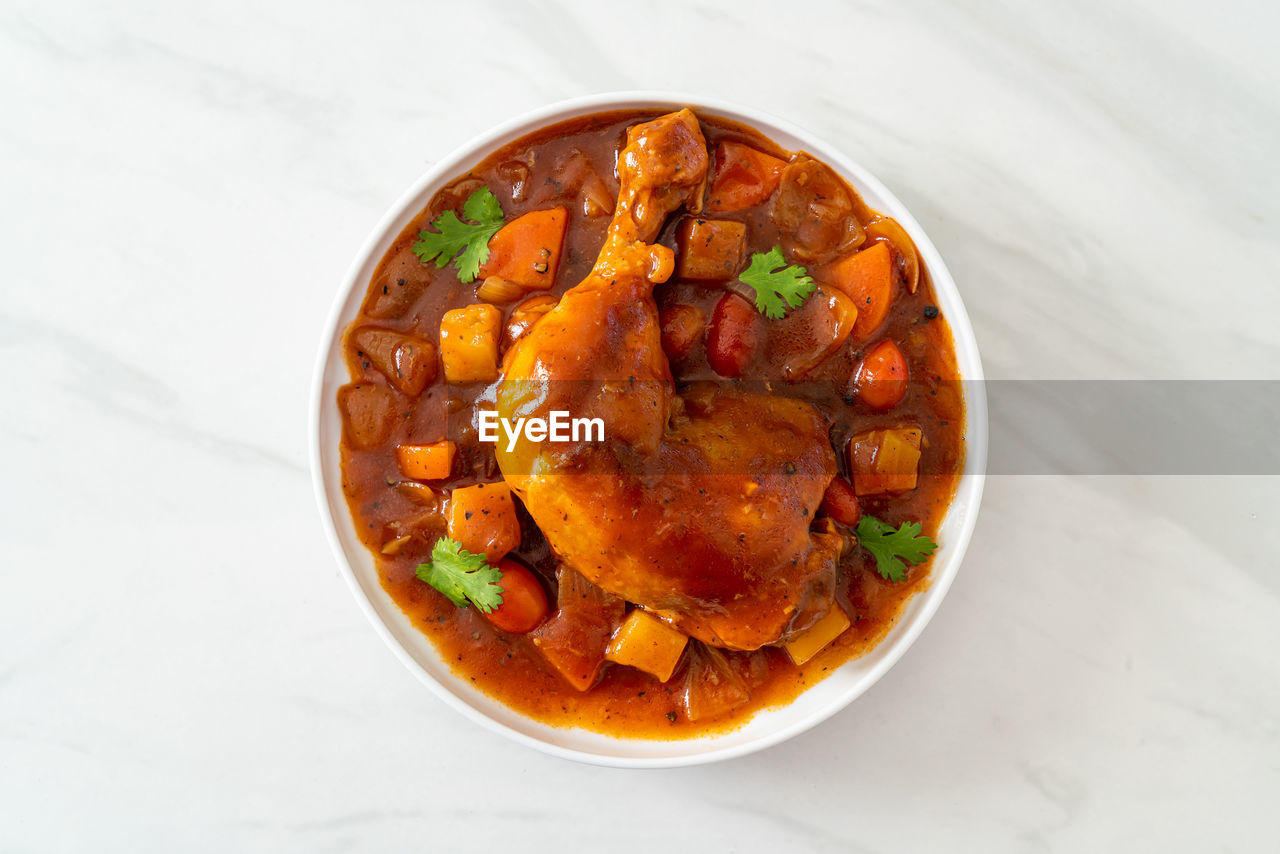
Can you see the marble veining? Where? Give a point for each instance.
(181, 665)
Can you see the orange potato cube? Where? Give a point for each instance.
(885, 461)
(647, 643)
(710, 249)
(483, 519)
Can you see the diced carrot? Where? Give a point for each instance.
(743, 177)
(710, 249)
(426, 462)
(867, 277)
(526, 250)
(888, 228)
(483, 519)
(885, 461)
(647, 643)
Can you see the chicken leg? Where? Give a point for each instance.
(696, 508)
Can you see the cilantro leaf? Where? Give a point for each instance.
(776, 289)
(891, 546)
(462, 576)
(469, 241)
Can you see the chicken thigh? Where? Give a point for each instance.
(696, 508)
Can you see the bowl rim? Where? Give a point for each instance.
(946, 563)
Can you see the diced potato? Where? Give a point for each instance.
(407, 361)
(885, 461)
(575, 638)
(368, 413)
(426, 462)
(483, 519)
(815, 638)
(710, 249)
(469, 343)
(647, 643)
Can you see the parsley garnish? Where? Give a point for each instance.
(453, 236)
(890, 546)
(462, 576)
(774, 287)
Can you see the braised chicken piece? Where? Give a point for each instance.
(697, 508)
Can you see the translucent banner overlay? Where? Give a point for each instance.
(1036, 427)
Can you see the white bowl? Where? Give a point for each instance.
(768, 727)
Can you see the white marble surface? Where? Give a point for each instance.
(181, 666)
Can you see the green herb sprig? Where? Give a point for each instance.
(778, 285)
(890, 546)
(468, 241)
(463, 577)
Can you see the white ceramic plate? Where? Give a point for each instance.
(415, 650)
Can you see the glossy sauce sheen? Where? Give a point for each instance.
(548, 168)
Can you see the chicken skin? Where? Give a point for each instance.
(697, 508)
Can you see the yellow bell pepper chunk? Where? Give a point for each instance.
(469, 343)
(815, 638)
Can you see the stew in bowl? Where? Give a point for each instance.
(651, 423)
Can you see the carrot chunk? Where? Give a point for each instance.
(867, 278)
(743, 177)
(526, 250)
(483, 519)
(426, 462)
